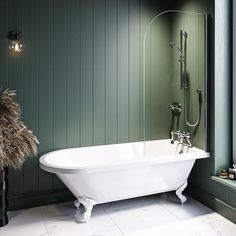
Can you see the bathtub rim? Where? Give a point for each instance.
(56, 169)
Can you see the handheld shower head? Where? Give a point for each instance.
(181, 56)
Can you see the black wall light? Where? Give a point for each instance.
(15, 42)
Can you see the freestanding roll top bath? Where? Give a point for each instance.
(109, 173)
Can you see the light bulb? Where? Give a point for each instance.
(16, 46)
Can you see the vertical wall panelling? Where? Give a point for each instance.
(86, 72)
(30, 86)
(72, 79)
(146, 17)
(134, 70)
(3, 43)
(73, 73)
(143, 23)
(201, 74)
(15, 18)
(166, 95)
(79, 79)
(160, 77)
(99, 72)
(123, 75)
(156, 82)
(59, 78)
(195, 69)
(111, 71)
(45, 82)
(207, 189)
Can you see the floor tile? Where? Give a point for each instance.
(25, 223)
(161, 214)
(57, 210)
(205, 226)
(133, 203)
(133, 219)
(188, 210)
(171, 229)
(99, 225)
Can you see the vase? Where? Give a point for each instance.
(3, 197)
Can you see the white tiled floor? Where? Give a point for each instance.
(147, 216)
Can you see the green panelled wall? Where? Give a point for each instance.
(79, 82)
(194, 25)
(162, 76)
(163, 84)
(78, 79)
(214, 193)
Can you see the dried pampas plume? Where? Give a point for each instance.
(16, 141)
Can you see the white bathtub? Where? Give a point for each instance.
(109, 173)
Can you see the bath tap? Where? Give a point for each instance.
(175, 135)
(183, 139)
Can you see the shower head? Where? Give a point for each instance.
(181, 56)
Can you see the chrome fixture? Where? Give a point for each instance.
(15, 42)
(184, 83)
(186, 102)
(183, 139)
(146, 42)
(176, 108)
(181, 56)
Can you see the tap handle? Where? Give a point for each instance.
(188, 135)
(172, 137)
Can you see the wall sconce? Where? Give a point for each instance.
(15, 42)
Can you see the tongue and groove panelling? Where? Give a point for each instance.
(77, 80)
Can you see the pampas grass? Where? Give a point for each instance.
(16, 141)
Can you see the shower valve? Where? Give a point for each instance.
(175, 108)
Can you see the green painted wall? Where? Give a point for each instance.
(162, 77)
(78, 80)
(158, 94)
(194, 25)
(214, 193)
(202, 185)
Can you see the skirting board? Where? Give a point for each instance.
(213, 202)
(39, 199)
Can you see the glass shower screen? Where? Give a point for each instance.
(174, 76)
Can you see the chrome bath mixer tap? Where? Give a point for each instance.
(182, 137)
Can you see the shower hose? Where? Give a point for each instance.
(186, 108)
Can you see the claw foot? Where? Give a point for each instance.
(179, 193)
(88, 204)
